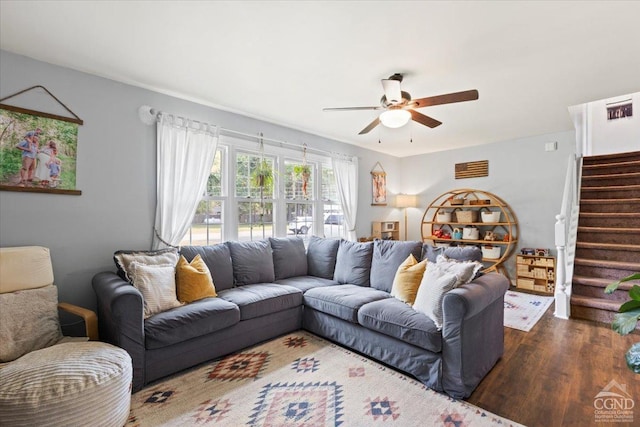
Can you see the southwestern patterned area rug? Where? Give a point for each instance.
(299, 380)
(522, 311)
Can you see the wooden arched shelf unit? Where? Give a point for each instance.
(507, 223)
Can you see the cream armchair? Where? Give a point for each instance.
(48, 379)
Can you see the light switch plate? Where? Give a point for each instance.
(551, 146)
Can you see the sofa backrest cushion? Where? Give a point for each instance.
(321, 257)
(387, 257)
(252, 262)
(459, 253)
(353, 263)
(218, 261)
(289, 257)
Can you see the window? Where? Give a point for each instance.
(255, 181)
(207, 225)
(299, 197)
(333, 217)
(241, 203)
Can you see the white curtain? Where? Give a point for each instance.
(185, 155)
(346, 174)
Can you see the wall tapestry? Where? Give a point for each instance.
(37, 150)
(378, 186)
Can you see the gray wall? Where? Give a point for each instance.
(116, 172)
(521, 172)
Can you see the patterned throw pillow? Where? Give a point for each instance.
(193, 280)
(157, 284)
(435, 283)
(407, 280)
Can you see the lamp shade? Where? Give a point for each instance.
(406, 201)
(395, 118)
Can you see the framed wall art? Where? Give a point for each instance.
(38, 150)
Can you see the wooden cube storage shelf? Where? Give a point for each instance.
(536, 273)
(385, 230)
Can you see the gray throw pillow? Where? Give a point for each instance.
(387, 257)
(321, 257)
(289, 257)
(218, 261)
(353, 263)
(252, 262)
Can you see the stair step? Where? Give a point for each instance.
(612, 158)
(598, 282)
(599, 303)
(620, 230)
(622, 205)
(608, 246)
(617, 235)
(618, 265)
(609, 164)
(624, 252)
(609, 219)
(609, 192)
(612, 176)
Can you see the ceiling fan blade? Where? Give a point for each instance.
(392, 90)
(425, 120)
(371, 125)
(467, 95)
(352, 108)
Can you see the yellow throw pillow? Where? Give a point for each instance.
(407, 280)
(193, 280)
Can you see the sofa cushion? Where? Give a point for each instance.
(460, 253)
(123, 260)
(252, 262)
(353, 263)
(407, 280)
(218, 260)
(289, 257)
(189, 321)
(157, 284)
(193, 280)
(387, 257)
(321, 257)
(263, 298)
(396, 319)
(304, 283)
(342, 301)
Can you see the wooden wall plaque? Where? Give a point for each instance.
(472, 169)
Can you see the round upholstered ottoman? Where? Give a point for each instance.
(71, 384)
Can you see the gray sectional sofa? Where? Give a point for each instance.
(339, 290)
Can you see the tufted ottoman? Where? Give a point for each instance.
(71, 384)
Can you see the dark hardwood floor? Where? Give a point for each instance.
(551, 375)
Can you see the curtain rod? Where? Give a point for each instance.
(149, 115)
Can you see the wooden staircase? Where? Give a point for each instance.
(608, 243)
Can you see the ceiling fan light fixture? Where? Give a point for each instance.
(395, 118)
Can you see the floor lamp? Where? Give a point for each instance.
(406, 201)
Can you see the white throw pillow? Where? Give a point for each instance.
(435, 283)
(157, 284)
(465, 271)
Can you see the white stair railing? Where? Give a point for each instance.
(565, 237)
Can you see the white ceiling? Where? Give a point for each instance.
(284, 61)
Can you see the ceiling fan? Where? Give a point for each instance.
(399, 108)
